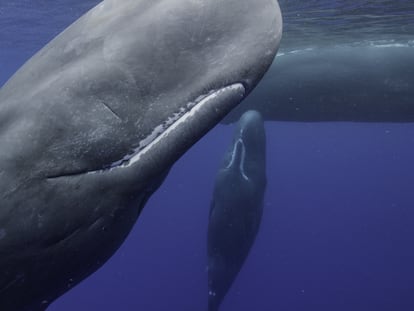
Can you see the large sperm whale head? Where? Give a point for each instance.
(91, 124)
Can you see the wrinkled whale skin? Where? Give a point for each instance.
(91, 124)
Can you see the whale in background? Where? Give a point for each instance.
(361, 83)
(91, 124)
(236, 207)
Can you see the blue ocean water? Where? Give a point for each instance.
(337, 231)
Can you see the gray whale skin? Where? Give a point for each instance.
(363, 83)
(237, 206)
(91, 124)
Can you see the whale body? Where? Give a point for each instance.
(91, 124)
(237, 206)
(361, 83)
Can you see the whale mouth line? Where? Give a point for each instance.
(158, 132)
(239, 145)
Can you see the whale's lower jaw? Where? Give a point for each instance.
(223, 99)
(238, 156)
(162, 131)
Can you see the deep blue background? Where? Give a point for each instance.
(337, 230)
